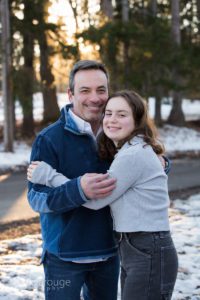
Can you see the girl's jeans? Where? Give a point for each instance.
(149, 265)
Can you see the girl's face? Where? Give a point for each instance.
(118, 122)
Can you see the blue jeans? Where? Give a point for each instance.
(149, 266)
(64, 280)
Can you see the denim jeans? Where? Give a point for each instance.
(64, 280)
(149, 266)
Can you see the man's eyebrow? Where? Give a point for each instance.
(102, 87)
(84, 88)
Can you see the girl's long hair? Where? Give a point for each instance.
(143, 126)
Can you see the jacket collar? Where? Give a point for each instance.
(67, 120)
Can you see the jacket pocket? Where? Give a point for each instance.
(169, 269)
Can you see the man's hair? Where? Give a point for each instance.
(85, 65)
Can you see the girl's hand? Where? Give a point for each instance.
(31, 168)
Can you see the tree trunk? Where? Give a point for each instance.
(153, 7)
(6, 78)
(75, 13)
(125, 11)
(26, 98)
(176, 116)
(176, 34)
(107, 8)
(51, 109)
(198, 14)
(158, 117)
(158, 106)
(125, 20)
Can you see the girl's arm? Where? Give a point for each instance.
(126, 169)
(39, 172)
(43, 173)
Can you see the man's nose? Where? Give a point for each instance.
(94, 97)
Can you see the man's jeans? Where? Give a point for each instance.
(149, 266)
(64, 280)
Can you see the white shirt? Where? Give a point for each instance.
(83, 126)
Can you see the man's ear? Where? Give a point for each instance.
(70, 95)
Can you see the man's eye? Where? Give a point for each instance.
(84, 91)
(101, 91)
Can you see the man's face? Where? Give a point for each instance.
(90, 94)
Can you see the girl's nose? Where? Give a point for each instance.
(113, 118)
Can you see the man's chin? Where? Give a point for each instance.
(94, 117)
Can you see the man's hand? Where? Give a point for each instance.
(31, 168)
(97, 186)
(162, 160)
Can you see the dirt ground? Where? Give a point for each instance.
(16, 229)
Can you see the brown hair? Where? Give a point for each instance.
(85, 65)
(143, 126)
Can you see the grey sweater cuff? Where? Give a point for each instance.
(44, 174)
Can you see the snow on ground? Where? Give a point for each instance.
(37, 107)
(19, 157)
(191, 109)
(179, 139)
(21, 276)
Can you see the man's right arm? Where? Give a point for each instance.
(45, 199)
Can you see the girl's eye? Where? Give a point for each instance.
(122, 115)
(108, 114)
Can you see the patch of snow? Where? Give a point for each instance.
(20, 156)
(179, 138)
(191, 109)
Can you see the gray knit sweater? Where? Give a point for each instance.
(140, 200)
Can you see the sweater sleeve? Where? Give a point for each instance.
(122, 169)
(126, 169)
(46, 175)
(45, 199)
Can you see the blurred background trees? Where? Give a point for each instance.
(151, 46)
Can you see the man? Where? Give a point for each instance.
(78, 244)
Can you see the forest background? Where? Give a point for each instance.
(150, 46)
